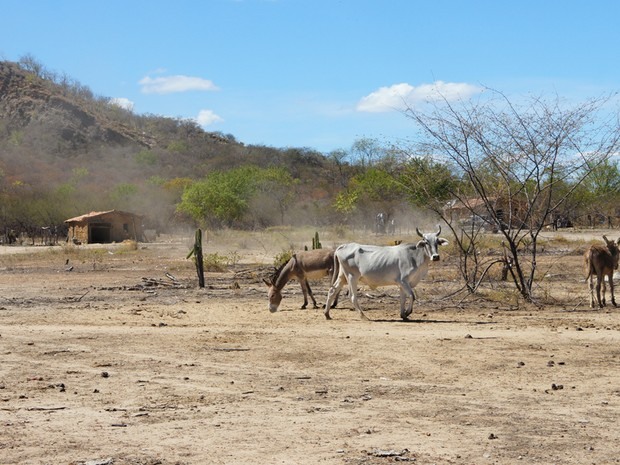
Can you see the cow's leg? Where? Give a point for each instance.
(354, 300)
(333, 292)
(336, 300)
(330, 274)
(406, 290)
(403, 299)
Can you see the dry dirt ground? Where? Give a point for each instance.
(114, 362)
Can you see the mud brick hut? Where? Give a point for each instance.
(105, 227)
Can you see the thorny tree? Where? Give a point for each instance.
(518, 163)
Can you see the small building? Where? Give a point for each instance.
(105, 227)
(477, 211)
(465, 209)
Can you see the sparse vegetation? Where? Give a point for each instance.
(214, 262)
(282, 257)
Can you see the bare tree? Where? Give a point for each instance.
(517, 161)
(29, 63)
(435, 186)
(367, 151)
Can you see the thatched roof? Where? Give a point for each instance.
(95, 215)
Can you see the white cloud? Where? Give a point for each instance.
(207, 118)
(400, 96)
(123, 103)
(173, 84)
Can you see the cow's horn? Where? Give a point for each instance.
(419, 233)
(439, 232)
(606, 240)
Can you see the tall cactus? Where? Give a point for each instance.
(316, 243)
(198, 258)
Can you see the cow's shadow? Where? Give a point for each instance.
(432, 321)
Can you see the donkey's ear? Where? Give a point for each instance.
(267, 282)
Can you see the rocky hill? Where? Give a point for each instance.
(32, 104)
(45, 118)
(65, 151)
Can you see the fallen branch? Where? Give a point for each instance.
(44, 409)
(82, 296)
(153, 282)
(230, 349)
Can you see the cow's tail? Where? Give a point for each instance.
(335, 270)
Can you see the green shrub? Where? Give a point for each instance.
(283, 257)
(214, 262)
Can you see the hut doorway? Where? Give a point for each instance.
(100, 233)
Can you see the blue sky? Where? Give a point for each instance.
(316, 73)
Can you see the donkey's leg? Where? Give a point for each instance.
(599, 281)
(311, 295)
(611, 289)
(591, 286)
(304, 288)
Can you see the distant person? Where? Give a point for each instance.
(392, 226)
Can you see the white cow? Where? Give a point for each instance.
(403, 265)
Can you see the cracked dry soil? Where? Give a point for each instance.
(114, 362)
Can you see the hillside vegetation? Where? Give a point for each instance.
(65, 151)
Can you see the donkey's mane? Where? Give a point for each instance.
(278, 270)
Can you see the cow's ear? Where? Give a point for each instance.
(442, 241)
(421, 244)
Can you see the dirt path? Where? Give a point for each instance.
(101, 366)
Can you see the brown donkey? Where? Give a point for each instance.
(309, 264)
(601, 261)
